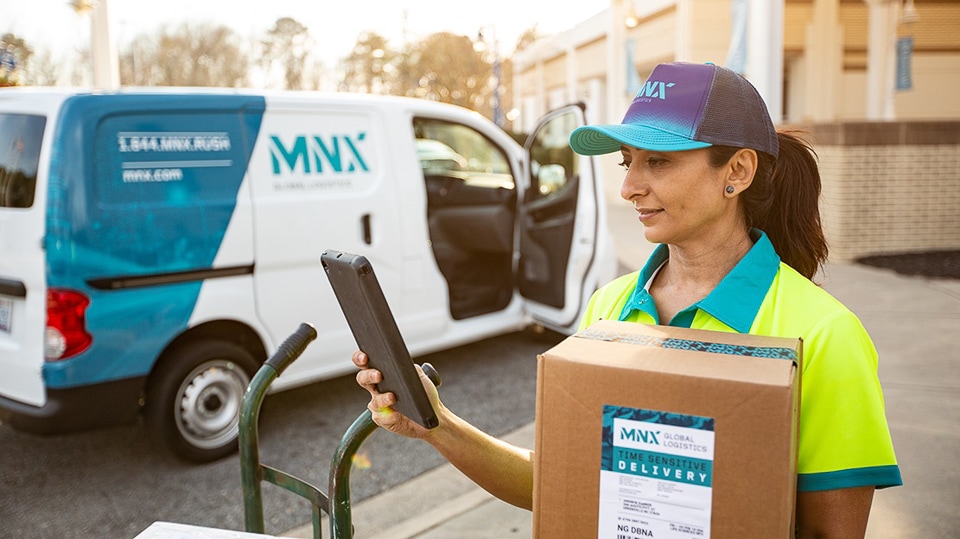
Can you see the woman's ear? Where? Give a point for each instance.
(741, 168)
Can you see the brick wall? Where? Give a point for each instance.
(889, 187)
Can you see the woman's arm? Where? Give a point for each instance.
(504, 470)
(829, 514)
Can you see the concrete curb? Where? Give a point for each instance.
(423, 505)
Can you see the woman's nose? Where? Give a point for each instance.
(633, 186)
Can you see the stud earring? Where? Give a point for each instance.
(730, 189)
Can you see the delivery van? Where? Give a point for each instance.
(157, 245)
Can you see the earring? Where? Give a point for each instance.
(730, 189)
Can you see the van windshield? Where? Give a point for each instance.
(20, 136)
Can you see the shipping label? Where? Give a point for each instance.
(656, 474)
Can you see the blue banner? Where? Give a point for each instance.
(904, 57)
(737, 52)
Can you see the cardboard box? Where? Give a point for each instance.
(653, 431)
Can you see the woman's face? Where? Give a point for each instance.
(679, 197)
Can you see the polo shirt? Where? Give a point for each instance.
(844, 439)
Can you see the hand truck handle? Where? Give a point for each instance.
(431, 373)
(292, 347)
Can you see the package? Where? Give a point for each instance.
(654, 431)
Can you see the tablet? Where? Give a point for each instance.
(364, 306)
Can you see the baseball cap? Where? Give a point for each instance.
(685, 106)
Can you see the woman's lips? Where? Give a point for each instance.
(646, 214)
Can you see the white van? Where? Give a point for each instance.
(157, 245)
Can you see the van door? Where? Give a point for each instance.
(565, 252)
(22, 283)
(322, 180)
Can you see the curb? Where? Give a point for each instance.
(425, 503)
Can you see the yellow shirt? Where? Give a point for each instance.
(844, 437)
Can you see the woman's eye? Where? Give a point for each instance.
(656, 161)
(625, 164)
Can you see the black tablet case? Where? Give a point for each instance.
(368, 314)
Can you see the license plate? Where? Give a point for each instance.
(6, 314)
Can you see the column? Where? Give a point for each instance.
(764, 65)
(103, 49)
(881, 58)
(617, 98)
(823, 51)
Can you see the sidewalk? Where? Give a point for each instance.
(914, 322)
(441, 503)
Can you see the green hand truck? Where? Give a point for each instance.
(253, 472)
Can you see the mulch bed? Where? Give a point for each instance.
(938, 264)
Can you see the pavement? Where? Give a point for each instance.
(915, 324)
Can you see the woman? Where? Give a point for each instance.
(733, 207)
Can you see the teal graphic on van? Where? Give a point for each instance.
(141, 191)
(318, 154)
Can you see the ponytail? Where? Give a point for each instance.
(783, 201)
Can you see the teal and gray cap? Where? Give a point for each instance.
(685, 106)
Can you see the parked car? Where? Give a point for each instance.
(157, 245)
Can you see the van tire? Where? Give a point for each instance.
(194, 396)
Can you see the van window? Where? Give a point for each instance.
(553, 165)
(20, 137)
(448, 149)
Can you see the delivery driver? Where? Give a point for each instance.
(733, 207)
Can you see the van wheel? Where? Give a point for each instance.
(193, 399)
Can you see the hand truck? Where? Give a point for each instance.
(253, 472)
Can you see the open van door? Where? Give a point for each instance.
(565, 250)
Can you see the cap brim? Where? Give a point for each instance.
(602, 139)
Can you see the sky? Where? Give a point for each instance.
(54, 26)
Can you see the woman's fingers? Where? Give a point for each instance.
(381, 404)
(368, 378)
(382, 401)
(359, 359)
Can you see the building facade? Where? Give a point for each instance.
(875, 78)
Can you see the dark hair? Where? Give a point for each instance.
(783, 201)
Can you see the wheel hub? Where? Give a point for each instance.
(209, 404)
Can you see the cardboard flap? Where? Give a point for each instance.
(695, 340)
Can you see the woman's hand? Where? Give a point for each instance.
(504, 470)
(381, 404)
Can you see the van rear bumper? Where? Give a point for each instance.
(77, 408)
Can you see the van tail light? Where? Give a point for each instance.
(66, 334)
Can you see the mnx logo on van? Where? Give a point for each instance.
(317, 154)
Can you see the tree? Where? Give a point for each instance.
(80, 72)
(527, 38)
(14, 57)
(287, 43)
(441, 67)
(191, 55)
(42, 70)
(371, 66)
(448, 69)
(133, 69)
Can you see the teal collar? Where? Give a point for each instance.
(735, 300)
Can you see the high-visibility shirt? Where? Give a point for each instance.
(844, 439)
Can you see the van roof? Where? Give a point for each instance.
(65, 91)
(43, 97)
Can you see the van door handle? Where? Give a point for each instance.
(367, 237)
(10, 287)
